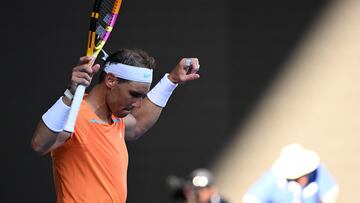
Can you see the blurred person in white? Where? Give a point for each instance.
(296, 176)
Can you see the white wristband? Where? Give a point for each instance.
(56, 116)
(68, 94)
(161, 93)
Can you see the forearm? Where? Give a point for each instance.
(147, 115)
(143, 119)
(44, 140)
(49, 132)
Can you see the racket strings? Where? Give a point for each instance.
(106, 8)
(107, 4)
(105, 17)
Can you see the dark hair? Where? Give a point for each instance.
(132, 57)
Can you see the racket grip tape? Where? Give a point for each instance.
(75, 107)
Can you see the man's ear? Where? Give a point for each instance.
(110, 80)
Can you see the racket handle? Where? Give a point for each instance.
(75, 107)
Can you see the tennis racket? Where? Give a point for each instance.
(103, 17)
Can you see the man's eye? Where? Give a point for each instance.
(136, 95)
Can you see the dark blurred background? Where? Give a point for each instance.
(241, 45)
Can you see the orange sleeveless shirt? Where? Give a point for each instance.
(92, 165)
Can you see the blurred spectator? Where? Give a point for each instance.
(297, 176)
(199, 187)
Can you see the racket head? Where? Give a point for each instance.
(103, 17)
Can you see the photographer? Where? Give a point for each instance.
(199, 187)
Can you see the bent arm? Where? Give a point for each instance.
(141, 119)
(44, 139)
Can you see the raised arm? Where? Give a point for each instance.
(49, 133)
(142, 119)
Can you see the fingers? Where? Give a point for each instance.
(191, 76)
(83, 72)
(185, 70)
(95, 68)
(196, 65)
(85, 60)
(81, 78)
(191, 65)
(84, 65)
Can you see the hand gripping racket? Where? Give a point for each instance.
(103, 17)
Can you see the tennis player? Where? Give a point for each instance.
(90, 165)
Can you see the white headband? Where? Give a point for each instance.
(132, 73)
